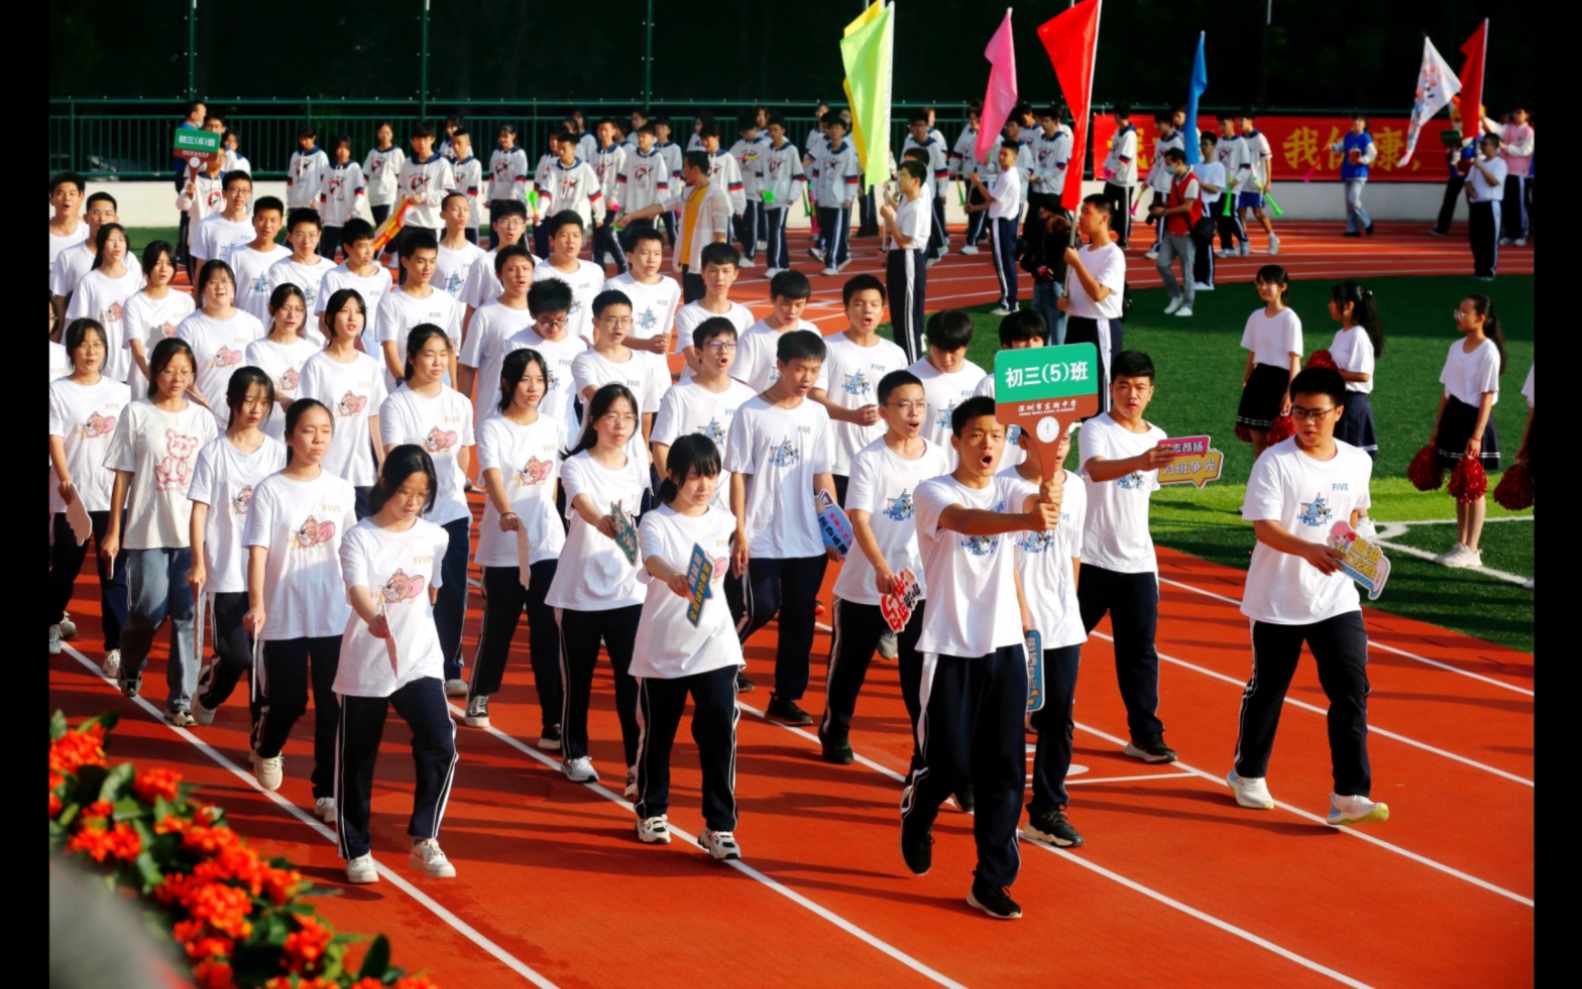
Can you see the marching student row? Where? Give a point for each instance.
(361, 532)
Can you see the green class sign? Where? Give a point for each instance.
(197, 146)
(1043, 390)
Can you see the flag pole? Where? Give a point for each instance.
(1098, 23)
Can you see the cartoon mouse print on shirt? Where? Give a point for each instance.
(225, 357)
(312, 533)
(242, 500)
(112, 314)
(351, 404)
(288, 380)
(98, 425)
(439, 440)
(536, 471)
(400, 588)
(174, 472)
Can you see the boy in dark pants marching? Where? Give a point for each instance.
(1003, 206)
(1296, 593)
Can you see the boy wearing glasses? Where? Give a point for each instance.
(549, 303)
(884, 475)
(1296, 592)
(611, 360)
(707, 402)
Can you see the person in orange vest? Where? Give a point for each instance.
(1181, 211)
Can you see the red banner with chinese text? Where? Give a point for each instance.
(1301, 146)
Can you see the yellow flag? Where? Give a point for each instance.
(866, 51)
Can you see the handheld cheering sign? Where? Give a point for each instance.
(1044, 390)
(897, 607)
(392, 225)
(1365, 562)
(1035, 671)
(833, 525)
(1194, 461)
(625, 532)
(700, 571)
(196, 146)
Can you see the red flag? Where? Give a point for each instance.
(1000, 98)
(1472, 79)
(1072, 40)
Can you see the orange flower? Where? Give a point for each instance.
(96, 814)
(172, 825)
(55, 806)
(305, 947)
(415, 982)
(119, 842)
(213, 974)
(186, 930)
(153, 783)
(75, 749)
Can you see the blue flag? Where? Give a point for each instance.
(1195, 90)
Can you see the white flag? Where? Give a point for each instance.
(1436, 84)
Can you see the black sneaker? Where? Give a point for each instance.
(787, 712)
(836, 750)
(917, 850)
(743, 685)
(1151, 748)
(965, 799)
(993, 900)
(1051, 828)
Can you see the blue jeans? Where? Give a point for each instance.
(157, 589)
(1046, 298)
(1356, 217)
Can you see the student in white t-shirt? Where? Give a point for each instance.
(457, 254)
(1004, 208)
(906, 268)
(756, 367)
(351, 385)
(102, 293)
(1357, 344)
(416, 302)
(611, 361)
(252, 261)
(594, 592)
(687, 646)
(390, 658)
(303, 267)
(492, 325)
(974, 682)
(1301, 490)
(296, 603)
(655, 298)
(283, 353)
(1273, 341)
(508, 224)
(1050, 563)
(948, 377)
(1094, 302)
(856, 358)
(84, 408)
(779, 452)
(719, 263)
(217, 236)
(73, 262)
(707, 403)
(1119, 455)
(879, 501)
(519, 452)
(359, 271)
(153, 313)
(66, 226)
(436, 417)
(548, 303)
(229, 467)
(219, 334)
(585, 278)
(152, 452)
(1464, 427)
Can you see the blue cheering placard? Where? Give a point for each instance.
(833, 524)
(1035, 671)
(700, 571)
(625, 532)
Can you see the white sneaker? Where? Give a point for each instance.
(204, 716)
(1253, 793)
(1202, 287)
(579, 770)
(719, 844)
(1443, 558)
(932, 261)
(1355, 810)
(1274, 244)
(1176, 302)
(269, 772)
(68, 628)
(1001, 311)
(1243, 249)
(1505, 241)
(889, 646)
(1460, 558)
(1528, 583)
(182, 719)
(654, 830)
(1519, 242)
(842, 266)
(1184, 311)
(816, 253)
(1222, 253)
(456, 688)
(763, 245)
(770, 273)
(477, 715)
(969, 249)
(112, 663)
(944, 249)
(54, 640)
(1367, 530)
(745, 263)
(324, 809)
(427, 858)
(1151, 255)
(831, 270)
(361, 870)
(630, 792)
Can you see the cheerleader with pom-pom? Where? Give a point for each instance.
(1464, 433)
(1273, 341)
(1358, 342)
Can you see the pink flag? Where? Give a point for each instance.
(1001, 95)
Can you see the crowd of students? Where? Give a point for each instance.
(283, 460)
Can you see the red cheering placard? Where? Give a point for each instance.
(897, 607)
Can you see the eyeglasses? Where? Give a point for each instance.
(558, 324)
(1309, 415)
(618, 419)
(722, 346)
(909, 406)
(1458, 314)
(617, 321)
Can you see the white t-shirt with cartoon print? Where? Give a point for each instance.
(944, 392)
(1116, 535)
(302, 524)
(159, 449)
(220, 347)
(668, 645)
(586, 283)
(594, 575)
(781, 450)
(283, 362)
(691, 408)
(528, 459)
(441, 425)
(252, 278)
(103, 298)
(561, 398)
(1044, 561)
(972, 608)
(400, 313)
(484, 351)
(757, 353)
(150, 320)
(850, 378)
(398, 569)
(353, 392)
(85, 418)
(224, 480)
(593, 369)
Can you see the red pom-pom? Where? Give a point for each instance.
(1515, 490)
(1283, 429)
(1243, 433)
(1468, 481)
(1425, 473)
(1321, 358)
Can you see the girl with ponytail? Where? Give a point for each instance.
(1464, 428)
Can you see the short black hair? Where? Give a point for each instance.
(1122, 110)
(896, 379)
(1175, 154)
(65, 178)
(1208, 136)
(340, 139)
(1164, 117)
(417, 239)
(565, 218)
(548, 295)
(709, 129)
(914, 167)
(422, 129)
(719, 253)
(775, 118)
(975, 407)
(642, 232)
(102, 197)
(831, 118)
(301, 215)
(917, 117)
(306, 130)
(501, 209)
(714, 326)
(508, 252)
(234, 176)
(949, 329)
(800, 345)
(1320, 381)
(861, 283)
(1022, 326)
(609, 297)
(747, 120)
(1135, 364)
(698, 160)
(356, 229)
(790, 284)
(268, 202)
(1100, 203)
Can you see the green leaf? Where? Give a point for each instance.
(57, 725)
(129, 808)
(109, 719)
(377, 961)
(161, 808)
(116, 781)
(68, 815)
(348, 939)
(148, 871)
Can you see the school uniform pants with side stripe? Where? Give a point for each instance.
(607, 247)
(504, 600)
(906, 275)
(789, 587)
(1483, 231)
(580, 632)
(283, 684)
(157, 589)
(1108, 335)
(1230, 227)
(1052, 755)
(976, 219)
(1002, 247)
(1203, 253)
(1447, 206)
(1120, 198)
(939, 235)
(1340, 648)
(1132, 602)
(660, 702)
(834, 223)
(450, 608)
(421, 704)
(749, 228)
(233, 650)
(65, 562)
(857, 631)
(775, 236)
(971, 731)
(1514, 214)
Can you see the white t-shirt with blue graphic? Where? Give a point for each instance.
(850, 379)
(1044, 561)
(1116, 535)
(972, 609)
(944, 392)
(782, 450)
(884, 485)
(691, 408)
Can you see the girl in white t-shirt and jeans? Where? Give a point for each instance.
(228, 469)
(393, 565)
(152, 453)
(296, 604)
(676, 655)
(595, 593)
(1273, 341)
(84, 408)
(1465, 424)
